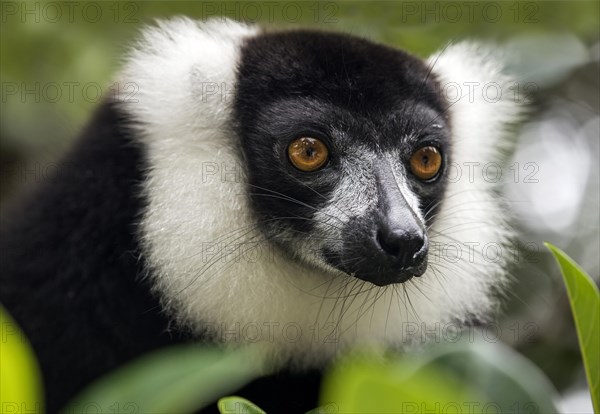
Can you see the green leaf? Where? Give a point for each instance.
(464, 377)
(237, 405)
(330, 408)
(585, 305)
(361, 385)
(21, 387)
(180, 379)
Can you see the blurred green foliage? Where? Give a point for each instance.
(21, 387)
(468, 376)
(175, 380)
(234, 405)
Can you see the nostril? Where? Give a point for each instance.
(396, 242)
(422, 251)
(389, 242)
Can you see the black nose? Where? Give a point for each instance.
(388, 245)
(408, 247)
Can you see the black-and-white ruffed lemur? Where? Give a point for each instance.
(268, 178)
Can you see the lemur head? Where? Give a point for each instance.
(303, 179)
(346, 144)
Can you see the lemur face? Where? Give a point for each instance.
(344, 191)
(346, 143)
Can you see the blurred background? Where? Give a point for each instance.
(59, 60)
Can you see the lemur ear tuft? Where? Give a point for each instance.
(179, 68)
(482, 98)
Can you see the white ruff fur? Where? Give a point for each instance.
(294, 311)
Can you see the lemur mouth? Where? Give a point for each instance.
(387, 280)
(377, 272)
(390, 278)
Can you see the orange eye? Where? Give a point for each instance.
(426, 162)
(308, 154)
